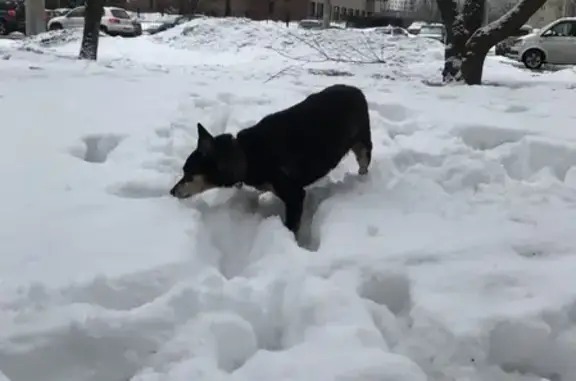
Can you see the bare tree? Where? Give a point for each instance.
(468, 43)
(92, 16)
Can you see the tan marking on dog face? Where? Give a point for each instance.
(361, 154)
(190, 188)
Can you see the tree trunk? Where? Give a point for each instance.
(468, 43)
(473, 67)
(227, 8)
(327, 13)
(484, 38)
(454, 45)
(92, 16)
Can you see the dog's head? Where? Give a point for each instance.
(217, 161)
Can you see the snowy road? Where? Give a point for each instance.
(454, 260)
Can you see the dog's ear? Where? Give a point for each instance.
(205, 140)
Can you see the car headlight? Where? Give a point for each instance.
(517, 42)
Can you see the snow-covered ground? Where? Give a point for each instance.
(453, 260)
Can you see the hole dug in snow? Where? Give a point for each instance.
(532, 154)
(240, 231)
(127, 292)
(210, 344)
(386, 288)
(80, 345)
(483, 138)
(532, 347)
(96, 148)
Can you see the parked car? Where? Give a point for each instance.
(48, 14)
(415, 27)
(310, 24)
(115, 22)
(435, 31)
(503, 46)
(12, 16)
(164, 23)
(60, 11)
(392, 31)
(553, 44)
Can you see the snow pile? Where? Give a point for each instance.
(452, 260)
(258, 38)
(54, 38)
(260, 47)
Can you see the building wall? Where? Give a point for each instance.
(550, 11)
(277, 9)
(341, 8)
(264, 9)
(399, 5)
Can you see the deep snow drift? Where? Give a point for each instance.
(453, 260)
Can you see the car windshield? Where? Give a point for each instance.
(431, 30)
(120, 14)
(168, 18)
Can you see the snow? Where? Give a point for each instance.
(452, 260)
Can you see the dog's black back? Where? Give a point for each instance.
(309, 139)
(285, 151)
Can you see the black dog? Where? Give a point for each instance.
(285, 151)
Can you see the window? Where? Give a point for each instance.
(350, 11)
(120, 14)
(356, 12)
(343, 11)
(320, 9)
(78, 12)
(312, 8)
(562, 29)
(336, 13)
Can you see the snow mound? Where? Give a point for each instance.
(264, 38)
(54, 38)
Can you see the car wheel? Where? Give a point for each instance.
(533, 59)
(103, 29)
(55, 26)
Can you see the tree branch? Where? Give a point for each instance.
(493, 33)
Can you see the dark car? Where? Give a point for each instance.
(12, 16)
(167, 22)
(503, 47)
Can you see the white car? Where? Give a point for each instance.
(392, 31)
(435, 31)
(115, 21)
(554, 44)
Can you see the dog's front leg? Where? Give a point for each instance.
(293, 198)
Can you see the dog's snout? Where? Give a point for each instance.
(175, 191)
